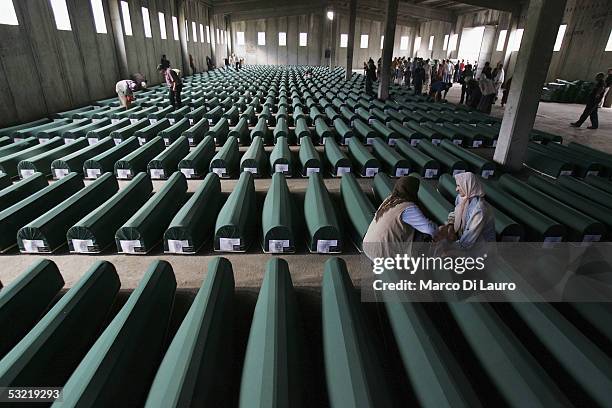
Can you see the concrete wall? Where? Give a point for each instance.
(44, 70)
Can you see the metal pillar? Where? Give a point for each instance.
(387, 54)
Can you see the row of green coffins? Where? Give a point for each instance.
(572, 160)
(125, 359)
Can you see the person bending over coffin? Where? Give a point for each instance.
(398, 220)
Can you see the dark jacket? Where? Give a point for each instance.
(597, 92)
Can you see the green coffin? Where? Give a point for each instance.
(254, 159)
(196, 132)
(120, 135)
(105, 161)
(241, 132)
(48, 232)
(178, 114)
(418, 161)
(73, 134)
(232, 115)
(96, 231)
(364, 163)
(586, 190)
(25, 300)
(392, 162)
(582, 165)
(449, 163)
(236, 224)
(74, 162)
(506, 228)
(148, 133)
(281, 129)
(353, 371)
(28, 209)
(5, 181)
(59, 131)
(344, 131)
(93, 136)
(135, 162)
(166, 162)
(323, 131)
(278, 218)
(600, 183)
(358, 208)
(382, 186)
(8, 131)
(174, 132)
(604, 158)
(22, 133)
(432, 135)
(215, 114)
(261, 130)
(364, 132)
(301, 129)
(547, 164)
(225, 163)
(580, 226)
(144, 230)
(193, 224)
(191, 373)
(387, 134)
(219, 132)
(323, 232)
(339, 164)
(51, 351)
(505, 359)
(41, 163)
(310, 162)
(281, 160)
(196, 163)
(412, 136)
(476, 163)
(21, 190)
(122, 362)
(272, 374)
(9, 163)
(18, 146)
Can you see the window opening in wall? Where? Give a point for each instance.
(282, 39)
(471, 42)
(330, 15)
(228, 37)
(127, 22)
(382, 41)
(261, 38)
(218, 37)
(175, 28)
(207, 34)
(8, 15)
(363, 43)
(560, 34)
(146, 22)
(162, 25)
(452, 42)
(343, 40)
(240, 38)
(609, 44)
(431, 41)
(303, 39)
(501, 40)
(404, 43)
(445, 45)
(201, 33)
(515, 40)
(186, 30)
(98, 14)
(60, 12)
(194, 32)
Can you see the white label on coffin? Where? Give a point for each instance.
(436, 141)
(487, 173)
(342, 170)
(124, 173)
(17, 139)
(278, 245)
(43, 140)
(431, 173)
(511, 238)
(157, 173)
(171, 120)
(81, 246)
(592, 173)
(93, 173)
(415, 142)
(129, 246)
(281, 168)
(117, 141)
(369, 140)
(190, 140)
(60, 173)
(392, 142)
(455, 172)
(25, 173)
(92, 140)
(96, 120)
(370, 121)
(251, 170)
(477, 143)
(166, 141)
(551, 241)
(133, 120)
(32, 245)
(176, 246)
(229, 244)
(347, 140)
(142, 140)
(68, 140)
(457, 142)
(494, 142)
(152, 121)
(371, 171)
(324, 245)
(591, 238)
(401, 171)
(190, 122)
(114, 120)
(310, 170)
(219, 171)
(565, 173)
(188, 173)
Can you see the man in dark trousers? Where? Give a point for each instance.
(370, 76)
(590, 110)
(173, 80)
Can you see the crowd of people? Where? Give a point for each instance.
(436, 77)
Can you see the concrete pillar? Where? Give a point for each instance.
(543, 19)
(351, 38)
(183, 37)
(115, 17)
(511, 27)
(230, 36)
(334, 39)
(387, 54)
(211, 26)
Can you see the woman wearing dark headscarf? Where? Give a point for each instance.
(396, 220)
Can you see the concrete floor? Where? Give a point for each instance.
(306, 269)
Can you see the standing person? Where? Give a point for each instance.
(164, 62)
(488, 92)
(427, 78)
(398, 220)
(125, 91)
(473, 94)
(418, 77)
(370, 76)
(608, 83)
(506, 88)
(192, 64)
(464, 78)
(209, 64)
(486, 70)
(590, 110)
(175, 85)
(407, 72)
(498, 78)
(365, 68)
(451, 72)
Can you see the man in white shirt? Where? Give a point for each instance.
(498, 79)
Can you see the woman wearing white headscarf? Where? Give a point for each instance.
(472, 219)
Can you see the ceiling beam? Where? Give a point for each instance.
(503, 5)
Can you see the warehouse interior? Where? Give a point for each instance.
(212, 251)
